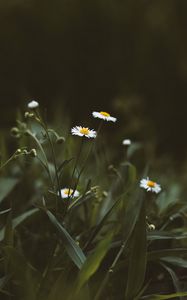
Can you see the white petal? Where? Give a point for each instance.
(33, 104)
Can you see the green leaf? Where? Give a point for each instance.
(176, 261)
(164, 201)
(130, 218)
(23, 273)
(132, 213)
(111, 209)
(164, 297)
(164, 235)
(6, 186)
(18, 220)
(138, 258)
(63, 164)
(93, 262)
(9, 236)
(72, 248)
(2, 212)
(126, 176)
(158, 254)
(173, 277)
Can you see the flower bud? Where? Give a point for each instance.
(18, 151)
(126, 142)
(15, 132)
(33, 153)
(60, 140)
(152, 227)
(33, 104)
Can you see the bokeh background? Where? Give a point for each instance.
(75, 56)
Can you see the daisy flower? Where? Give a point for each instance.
(104, 116)
(33, 104)
(84, 131)
(150, 185)
(66, 193)
(126, 142)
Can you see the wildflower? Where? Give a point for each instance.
(33, 104)
(150, 186)
(84, 131)
(65, 193)
(126, 142)
(104, 116)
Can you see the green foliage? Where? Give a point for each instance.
(100, 237)
(73, 250)
(138, 257)
(6, 186)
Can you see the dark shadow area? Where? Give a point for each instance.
(128, 57)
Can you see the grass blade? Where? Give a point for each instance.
(138, 259)
(73, 250)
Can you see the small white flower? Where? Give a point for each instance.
(104, 116)
(33, 104)
(69, 193)
(84, 131)
(126, 142)
(150, 185)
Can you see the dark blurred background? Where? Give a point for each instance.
(125, 56)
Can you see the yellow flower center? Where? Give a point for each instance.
(105, 114)
(68, 191)
(151, 184)
(84, 130)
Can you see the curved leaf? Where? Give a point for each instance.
(164, 297)
(6, 186)
(18, 220)
(72, 248)
(138, 258)
(93, 262)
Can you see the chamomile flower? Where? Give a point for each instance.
(126, 142)
(83, 131)
(33, 104)
(150, 186)
(66, 193)
(104, 116)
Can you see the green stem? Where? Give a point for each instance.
(55, 165)
(8, 161)
(74, 169)
(44, 155)
(110, 271)
(44, 126)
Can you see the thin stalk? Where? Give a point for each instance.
(86, 159)
(44, 125)
(55, 165)
(44, 155)
(8, 161)
(83, 167)
(74, 169)
(110, 271)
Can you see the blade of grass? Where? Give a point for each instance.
(164, 297)
(18, 220)
(138, 258)
(72, 248)
(131, 215)
(174, 278)
(92, 263)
